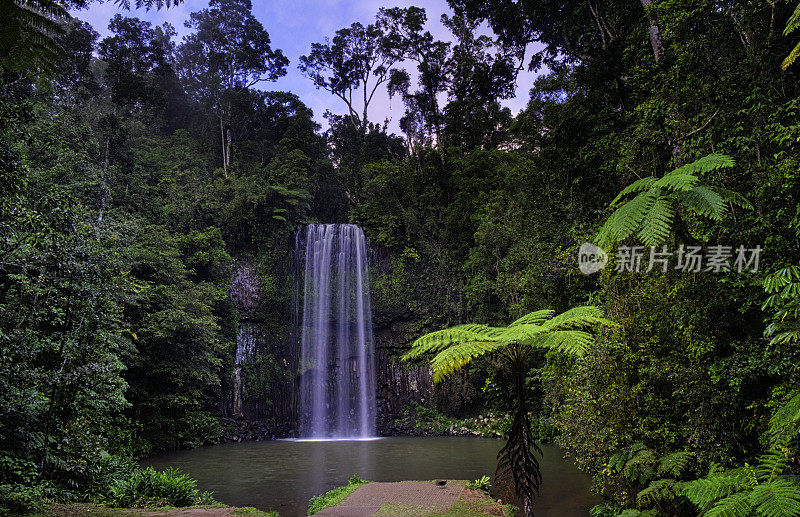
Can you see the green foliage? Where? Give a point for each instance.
(148, 487)
(783, 287)
(792, 25)
(651, 213)
(335, 496)
(766, 489)
(481, 484)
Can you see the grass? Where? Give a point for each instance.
(92, 510)
(462, 508)
(335, 496)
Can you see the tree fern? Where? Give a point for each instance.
(651, 213)
(570, 332)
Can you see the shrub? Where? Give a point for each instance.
(148, 487)
(481, 484)
(23, 499)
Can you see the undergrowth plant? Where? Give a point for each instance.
(148, 487)
(767, 489)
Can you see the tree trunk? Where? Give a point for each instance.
(655, 33)
(518, 475)
(227, 148)
(222, 135)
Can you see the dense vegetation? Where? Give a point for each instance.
(136, 168)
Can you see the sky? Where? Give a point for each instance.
(293, 25)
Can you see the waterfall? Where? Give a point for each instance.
(337, 374)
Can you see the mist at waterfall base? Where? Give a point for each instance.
(336, 400)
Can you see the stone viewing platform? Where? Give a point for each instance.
(415, 498)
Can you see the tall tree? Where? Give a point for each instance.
(407, 40)
(229, 53)
(357, 59)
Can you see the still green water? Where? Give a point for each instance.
(283, 475)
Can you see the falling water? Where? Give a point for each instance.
(337, 383)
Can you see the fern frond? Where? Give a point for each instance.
(771, 464)
(657, 223)
(534, 318)
(675, 464)
(676, 182)
(778, 498)
(705, 201)
(577, 317)
(629, 216)
(784, 423)
(791, 58)
(659, 491)
(521, 334)
(483, 330)
(734, 197)
(704, 492)
(735, 505)
(794, 21)
(454, 358)
(705, 164)
(572, 342)
(639, 185)
(440, 340)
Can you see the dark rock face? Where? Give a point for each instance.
(245, 291)
(398, 383)
(260, 402)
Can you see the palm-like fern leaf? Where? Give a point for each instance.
(659, 491)
(658, 222)
(435, 342)
(650, 214)
(778, 498)
(784, 424)
(675, 181)
(792, 25)
(735, 505)
(534, 318)
(704, 492)
(771, 464)
(455, 347)
(704, 202)
(627, 218)
(706, 164)
(640, 185)
(455, 357)
(572, 342)
(578, 317)
(675, 464)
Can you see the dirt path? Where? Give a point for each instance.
(409, 498)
